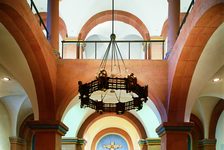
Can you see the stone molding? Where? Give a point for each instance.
(42, 126)
(174, 127)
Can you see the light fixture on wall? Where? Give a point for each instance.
(5, 78)
(216, 79)
(127, 93)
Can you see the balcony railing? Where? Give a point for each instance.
(41, 22)
(135, 49)
(185, 17)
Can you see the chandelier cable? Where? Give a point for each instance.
(112, 16)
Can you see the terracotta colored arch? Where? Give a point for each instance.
(200, 25)
(165, 26)
(216, 113)
(128, 116)
(112, 130)
(198, 126)
(20, 22)
(62, 26)
(25, 131)
(122, 16)
(197, 132)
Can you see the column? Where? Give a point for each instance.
(207, 144)
(73, 143)
(153, 143)
(142, 144)
(174, 136)
(80, 144)
(17, 143)
(173, 22)
(79, 50)
(47, 134)
(53, 24)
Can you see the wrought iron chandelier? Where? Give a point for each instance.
(114, 84)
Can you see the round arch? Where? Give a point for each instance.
(217, 111)
(112, 130)
(62, 26)
(188, 50)
(24, 130)
(122, 16)
(128, 116)
(18, 20)
(164, 30)
(197, 132)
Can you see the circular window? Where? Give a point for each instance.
(112, 142)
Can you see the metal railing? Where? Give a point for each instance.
(185, 17)
(150, 49)
(32, 5)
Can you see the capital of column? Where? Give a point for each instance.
(174, 127)
(16, 140)
(207, 142)
(53, 126)
(77, 141)
(142, 142)
(56, 53)
(171, 1)
(153, 141)
(149, 141)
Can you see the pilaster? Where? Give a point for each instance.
(142, 144)
(207, 144)
(74, 143)
(47, 134)
(150, 144)
(174, 135)
(173, 22)
(53, 23)
(17, 143)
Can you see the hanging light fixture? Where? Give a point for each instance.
(113, 93)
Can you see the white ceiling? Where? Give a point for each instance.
(15, 92)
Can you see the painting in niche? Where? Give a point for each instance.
(112, 142)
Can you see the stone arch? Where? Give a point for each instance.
(62, 26)
(164, 31)
(122, 16)
(198, 126)
(19, 21)
(197, 132)
(96, 116)
(112, 130)
(217, 111)
(24, 131)
(200, 25)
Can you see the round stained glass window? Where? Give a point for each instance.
(112, 142)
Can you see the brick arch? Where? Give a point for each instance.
(24, 130)
(21, 24)
(120, 15)
(164, 31)
(112, 130)
(198, 126)
(62, 26)
(200, 25)
(127, 116)
(197, 132)
(216, 113)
